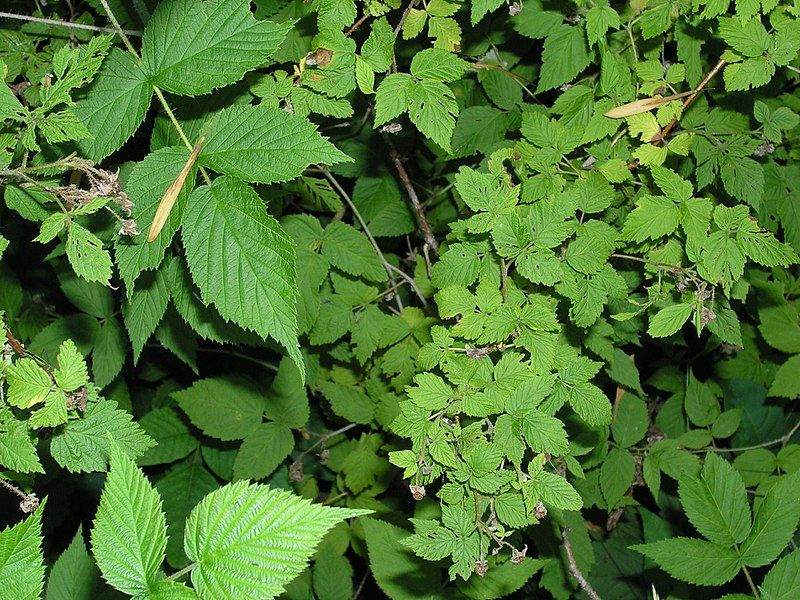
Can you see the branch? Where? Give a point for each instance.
(700, 86)
(573, 567)
(357, 24)
(57, 23)
(390, 268)
(424, 225)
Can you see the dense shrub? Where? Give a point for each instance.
(432, 300)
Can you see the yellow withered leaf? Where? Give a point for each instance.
(168, 200)
(645, 104)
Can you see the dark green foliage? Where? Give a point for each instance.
(518, 280)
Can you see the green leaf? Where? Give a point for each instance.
(669, 320)
(287, 400)
(115, 105)
(379, 201)
(391, 99)
(108, 355)
(227, 408)
(349, 250)
(264, 144)
(250, 540)
(145, 309)
(397, 570)
(173, 438)
(693, 561)
(263, 451)
(653, 217)
(71, 372)
(438, 65)
(774, 524)
(783, 580)
(631, 421)
(544, 433)
(564, 56)
(146, 185)
(786, 383)
(590, 403)
(227, 224)
(716, 502)
(17, 451)
(21, 560)
(616, 475)
(432, 107)
(87, 256)
(348, 402)
(192, 47)
(129, 536)
(74, 575)
(182, 487)
(82, 445)
(28, 383)
(378, 48)
(599, 20)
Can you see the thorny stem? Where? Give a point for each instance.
(13, 489)
(573, 567)
(689, 99)
(424, 225)
(158, 92)
(58, 23)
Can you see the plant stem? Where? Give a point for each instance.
(750, 582)
(573, 567)
(424, 225)
(689, 99)
(781, 440)
(67, 24)
(390, 268)
(158, 92)
(177, 575)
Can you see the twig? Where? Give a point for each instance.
(781, 440)
(57, 23)
(573, 567)
(29, 502)
(178, 574)
(659, 137)
(411, 5)
(424, 225)
(390, 268)
(357, 24)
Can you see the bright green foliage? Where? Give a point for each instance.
(227, 222)
(402, 262)
(21, 561)
(129, 534)
(249, 539)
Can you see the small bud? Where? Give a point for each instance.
(128, 227)
(481, 567)
(296, 471)
(514, 9)
(517, 556)
(417, 492)
(324, 456)
(540, 512)
(391, 128)
(764, 149)
(124, 202)
(707, 315)
(29, 504)
(426, 470)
